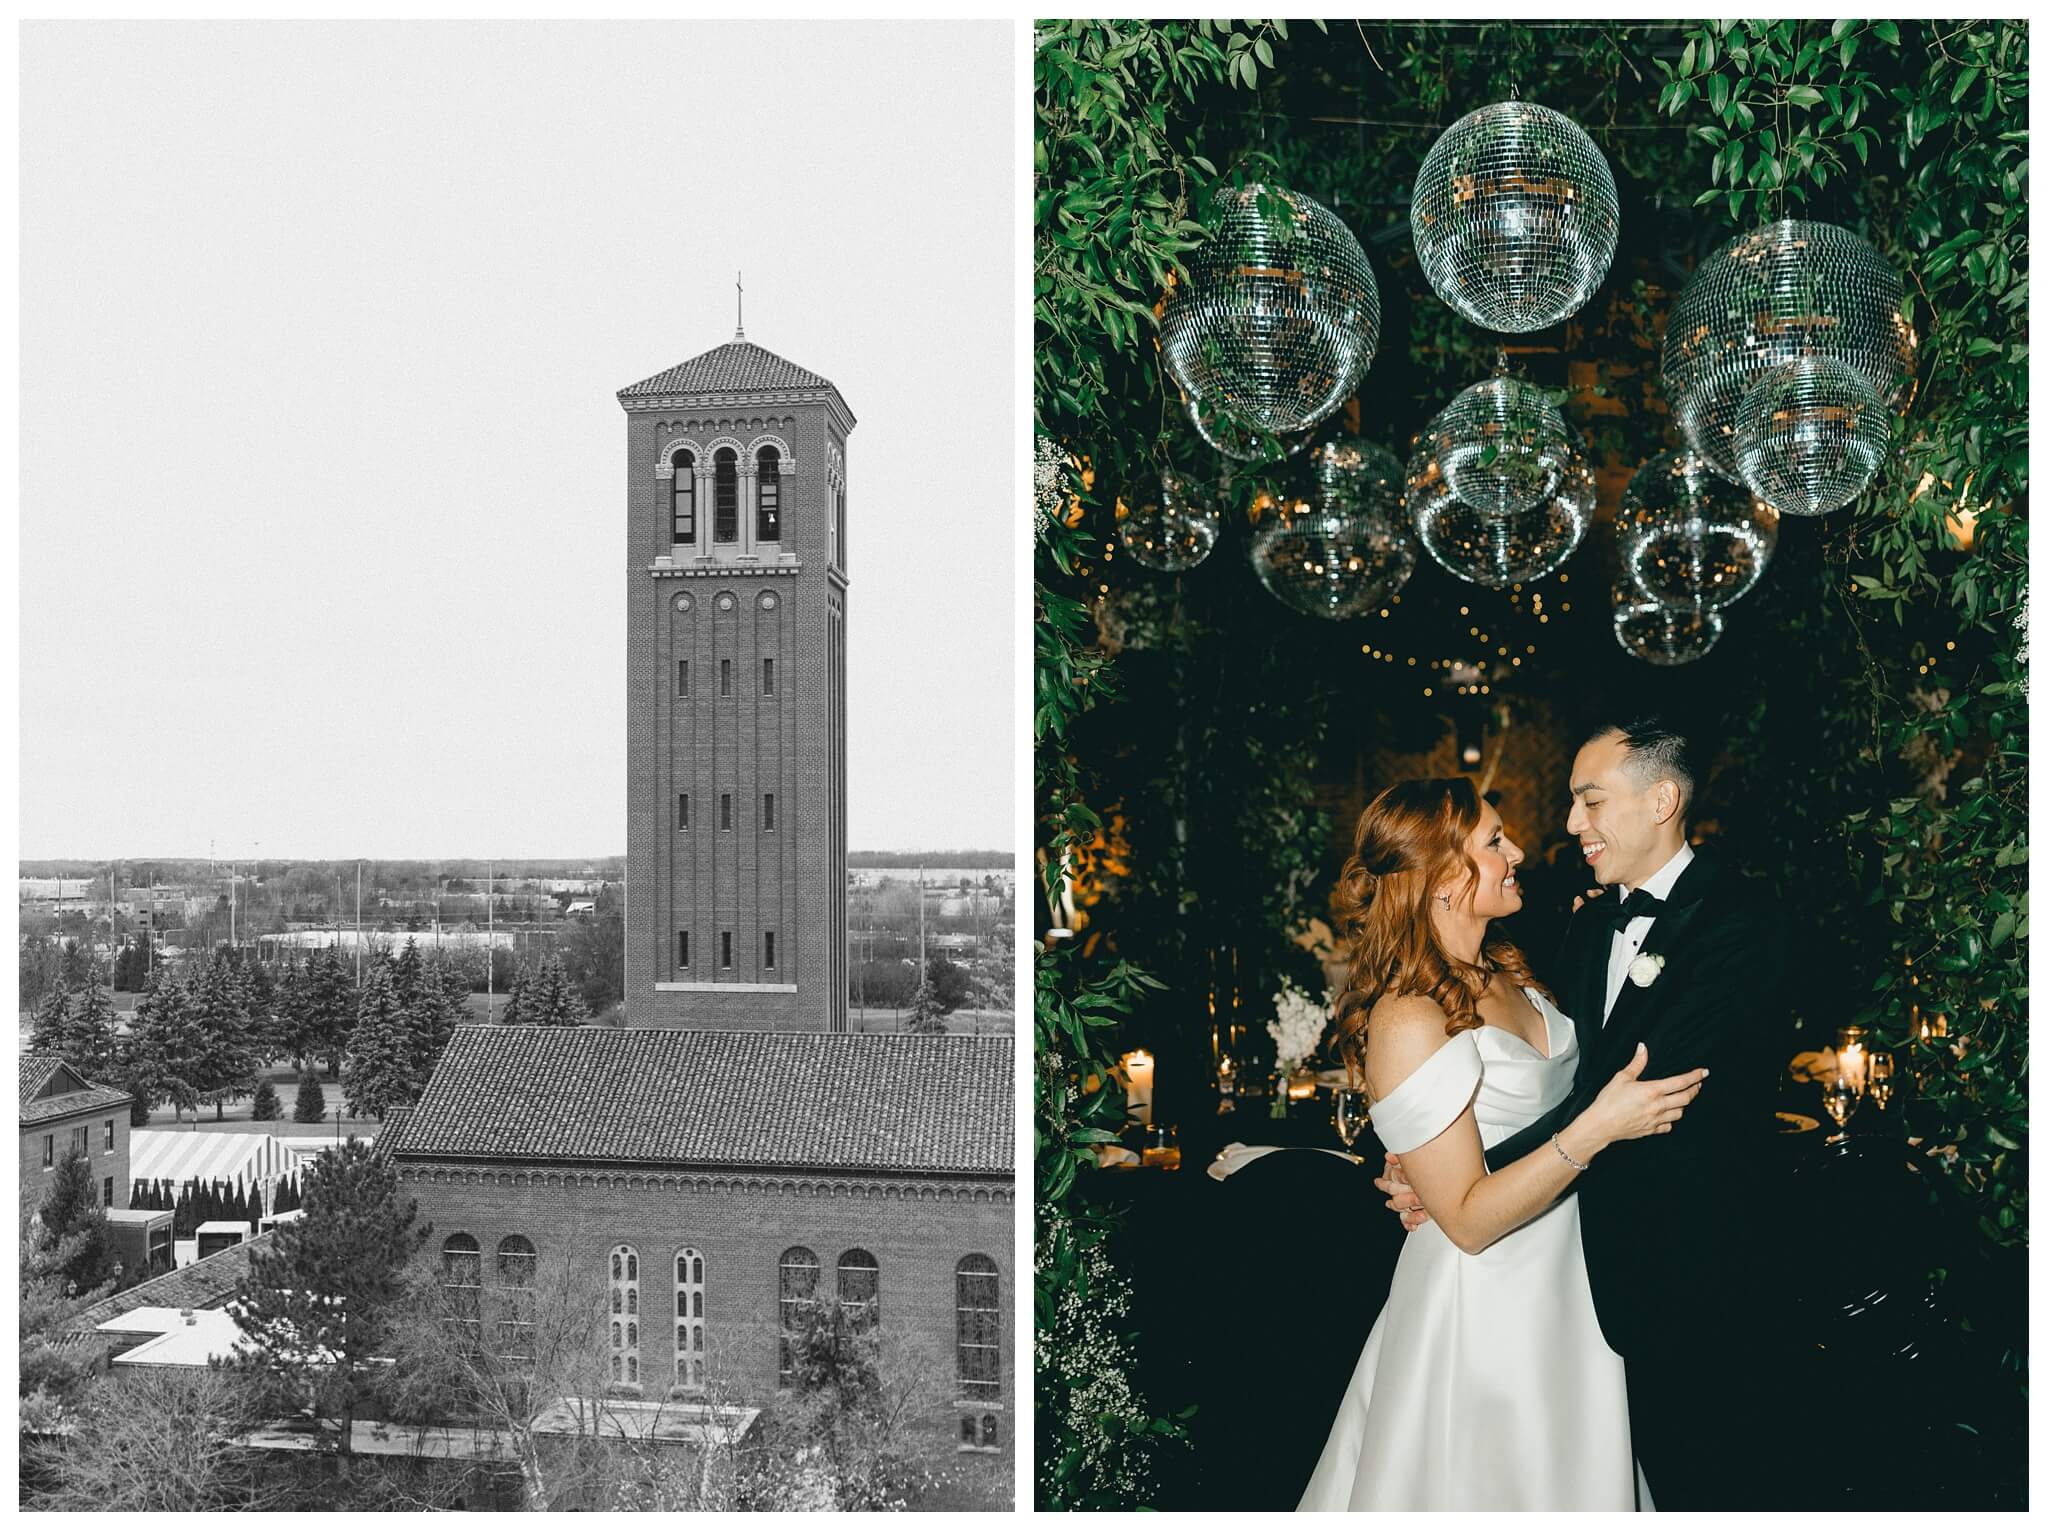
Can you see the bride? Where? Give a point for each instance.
(1485, 1384)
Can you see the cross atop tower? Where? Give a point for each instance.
(739, 286)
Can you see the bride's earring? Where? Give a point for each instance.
(1444, 899)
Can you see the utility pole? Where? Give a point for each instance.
(490, 940)
(359, 924)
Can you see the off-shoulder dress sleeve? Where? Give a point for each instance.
(1420, 1107)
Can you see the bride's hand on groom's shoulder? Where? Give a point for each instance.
(1591, 893)
(1401, 1196)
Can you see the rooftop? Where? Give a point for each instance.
(204, 1284)
(738, 366)
(52, 1088)
(938, 1105)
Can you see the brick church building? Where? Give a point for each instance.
(733, 1153)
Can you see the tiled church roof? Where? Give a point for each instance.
(738, 366)
(645, 1095)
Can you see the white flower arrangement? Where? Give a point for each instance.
(1644, 970)
(1298, 1026)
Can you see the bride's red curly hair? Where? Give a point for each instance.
(1410, 842)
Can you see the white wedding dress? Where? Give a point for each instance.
(1485, 1384)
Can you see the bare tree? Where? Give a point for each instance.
(150, 1439)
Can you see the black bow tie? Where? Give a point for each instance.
(1636, 906)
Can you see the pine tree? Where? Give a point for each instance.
(926, 1017)
(331, 1007)
(381, 1050)
(316, 1306)
(549, 999)
(225, 1060)
(407, 972)
(517, 1008)
(51, 1029)
(265, 1107)
(311, 1104)
(71, 1211)
(89, 1041)
(163, 1054)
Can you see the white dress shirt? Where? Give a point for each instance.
(1628, 941)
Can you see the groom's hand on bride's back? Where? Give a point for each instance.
(1401, 1196)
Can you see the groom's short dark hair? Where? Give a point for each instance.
(1657, 751)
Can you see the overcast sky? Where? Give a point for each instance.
(322, 473)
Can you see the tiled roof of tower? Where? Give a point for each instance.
(888, 1103)
(738, 366)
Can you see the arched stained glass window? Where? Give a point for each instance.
(977, 1332)
(860, 1288)
(797, 1290)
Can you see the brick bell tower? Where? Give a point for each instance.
(736, 695)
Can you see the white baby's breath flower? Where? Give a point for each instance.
(1298, 1025)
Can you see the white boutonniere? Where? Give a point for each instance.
(1644, 970)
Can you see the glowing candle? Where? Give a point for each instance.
(1138, 1070)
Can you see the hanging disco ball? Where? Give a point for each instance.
(1514, 216)
(1500, 446)
(1657, 635)
(1348, 551)
(1811, 435)
(1216, 427)
(1280, 315)
(1766, 298)
(1170, 534)
(1690, 540)
(1498, 551)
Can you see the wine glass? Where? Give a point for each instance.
(1351, 1115)
(1879, 1079)
(1841, 1098)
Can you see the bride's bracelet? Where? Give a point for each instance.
(1559, 1146)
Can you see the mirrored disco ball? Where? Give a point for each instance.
(1500, 446)
(1497, 551)
(1280, 316)
(1344, 553)
(1215, 426)
(1769, 297)
(1657, 635)
(1171, 533)
(1514, 216)
(1689, 539)
(1811, 435)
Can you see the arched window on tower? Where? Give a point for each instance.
(725, 496)
(625, 1299)
(797, 1291)
(689, 1318)
(683, 495)
(768, 495)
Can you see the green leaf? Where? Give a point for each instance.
(1803, 95)
(1685, 60)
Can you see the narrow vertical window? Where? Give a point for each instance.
(725, 496)
(725, 677)
(49, 1150)
(767, 677)
(110, 1136)
(768, 951)
(625, 1298)
(684, 496)
(518, 1266)
(682, 810)
(689, 1319)
(107, 1191)
(682, 677)
(725, 810)
(682, 948)
(462, 1286)
(725, 948)
(768, 810)
(768, 495)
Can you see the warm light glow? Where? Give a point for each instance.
(1962, 527)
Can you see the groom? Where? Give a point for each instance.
(1678, 954)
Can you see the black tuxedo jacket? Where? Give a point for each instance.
(1669, 1222)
